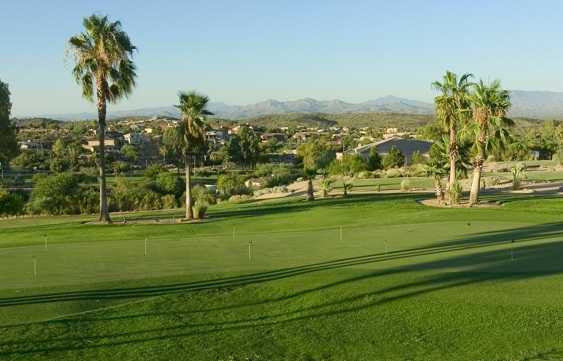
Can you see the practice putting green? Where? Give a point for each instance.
(371, 277)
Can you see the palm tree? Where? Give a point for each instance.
(105, 71)
(191, 132)
(452, 111)
(490, 104)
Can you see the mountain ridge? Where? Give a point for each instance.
(533, 104)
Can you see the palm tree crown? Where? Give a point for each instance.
(103, 59)
(193, 107)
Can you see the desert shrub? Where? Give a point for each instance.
(150, 200)
(240, 198)
(405, 185)
(417, 158)
(278, 189)
(455, 192)
(518, 174)
(275, 174)
(394, 173)
(56, 194)
(200, 208)
(231, 184)
(378, 173)
(201, 193)
(89, 171)
(418, 170)
(168, 201)
(365, 175)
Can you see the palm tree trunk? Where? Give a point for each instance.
(104, 212)
(453, 157)
(189, 210)
(310, 190)
(477, 170)
(439, 190)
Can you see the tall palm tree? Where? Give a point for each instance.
(490, 104)
(452, 111)
(191, 131)
(105, 71)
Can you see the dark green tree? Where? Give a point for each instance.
(315, 155)
(8, 144)
(374, 160)
(394, 159)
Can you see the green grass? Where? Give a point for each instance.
(404, 282)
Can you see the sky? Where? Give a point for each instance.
(242, 52)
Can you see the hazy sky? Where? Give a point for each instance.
(246, 51)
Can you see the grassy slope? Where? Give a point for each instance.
(445, 289)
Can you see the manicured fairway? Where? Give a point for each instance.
(371, 277)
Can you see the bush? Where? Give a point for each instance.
(374, 160)
(201, 193)
(89, 201)
(169, 201)
(123, 196)
(348, 166)
(394, 159)
(455, 192)
(275, 174)
(154, 170)
(11, 204)
(405, 185)
(417, 158)
(91, 172)
(240, 198)
(200, 208)
(394, 173)
(170, 183)
(149, 201)
(231, 184)
(57, 194)
(365, 175)
(418, 170)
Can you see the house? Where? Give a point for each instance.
(406, 146)
(304, 136)
(33, 145)
(134, 138)
(278, 137)
(109, 145)
(217, 136)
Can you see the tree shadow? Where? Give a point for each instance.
(533, 260)
(527, 260)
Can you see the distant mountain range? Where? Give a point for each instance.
(531, 104)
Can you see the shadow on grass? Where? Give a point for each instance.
(480, 240)
(524, 262)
